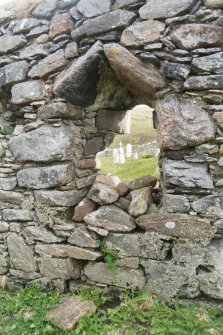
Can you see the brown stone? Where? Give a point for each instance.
(177, 225)
(61, 24)
(85, 207)
(103, 191)
(141, 182)
(140, 79)
(122, 189)
(86, 163)
(68, 312)
(94, 145)
(218, 117)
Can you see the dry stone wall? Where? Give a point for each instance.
(63, 69)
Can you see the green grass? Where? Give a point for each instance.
(131, 169)
(135, 313)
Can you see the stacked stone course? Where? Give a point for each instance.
(65, 67)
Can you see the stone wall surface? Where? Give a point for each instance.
(61, 68)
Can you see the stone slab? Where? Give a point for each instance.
(17, 215)
(60, 198)
(9, 43)
(28, 91)
(54, 268)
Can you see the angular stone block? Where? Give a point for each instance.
(211, 63)
(176, 203)
(94, 7)
(28, 91)
(61, 24)
(85, 207)
(60, 110)
(211, 205)
(8, 184)
(34, 50)
(9, 43)
(110, 120)
(60, 198)
(82, 238)
(35, 233)
(54, 268)
(11, 197)
(13, 72)
(204, 82)
(17, 215)
(141, 200)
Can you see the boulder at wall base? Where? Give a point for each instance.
(140, 79)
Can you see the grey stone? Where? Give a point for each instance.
(45, 10)
(68, 312)
(45, 177)
(141, 200)
(21, 255)
(71, 50)
(17, 215)
(8, 184)
(176, 203)
(11, 197)
(76, 15)
(191, 123)
(78, 83)
(33, 233)
(114, 20)
(82, 238)
(61, 24)
(85, 181)
(9, 43)
(211, 205)
(165, 279)
(48, 65)
(157, 9)
(94, 7)
(6, 15)
(141, 182)
(123, 277)
(110, 218)
(60, 198)
(4, 227)
(34, 50)
(204, 82)
(125, 3)
(94, 145)
(24, 25)
(177, 225)
(219, 225)
(103, 193)
(13, 72)
(99, 231)
(211, 284)
(111, 120)
(65, 251)
(213, 3)
(85, 207)
(176, 71)
(41, 30)
(140, 79)
(62, 142)
(140, 33)
(192, 36)
(212, 63)
(128, 262)
(147, 245)
(24, 275)
(28, 91)
(54, 268)
(60, 110)
(186, 175)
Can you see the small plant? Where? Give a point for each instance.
(6, 131)
(110, 256)
(94, 294)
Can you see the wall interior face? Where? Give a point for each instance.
(68, 73)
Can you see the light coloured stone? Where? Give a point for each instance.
(40, 234)
(140, 33)
(9, 43)
(24, 25)
(128, 262)
(141, 200)
(140, 79)
(110, 218)
(60, 198)
(45, 177)
(28, 91)
(4, 227)
(8, 184)
(65, 251)
(60, 109)
(6, 15)
(61, 24)
(62, 142)
(17, 215)
(11, 197)
(34, 50)
(218, 117)
(54, 268)
(115, 121)
(21, 255)
(103, 194)
(204, 82)
(211, 284)
(71, 50)
(176, 203)
(123, 277)
(211, 205)
(211, 63)
(94, 7)
(191, 123)
(45, 9)
(187, 175)
(82, 238)
(213, 3)
(68, 312)
(157, 9)
(13, 72)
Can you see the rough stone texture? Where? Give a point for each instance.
(218, 117)
(211, 205)
(213, 3)
(104, 23)
(115, 121)
(93, 8)
(40, 234)
(71, 50)
(28, 91)
(51, 63)
(11, 43)
(68, 312)
(4, 227)
(6, 15)
(211, 63)
(140, 33)
(141, 200)
(94, 145)
(176, 71)
(157, 9)
(191, 123)
(22, 26)
(60, 198)
(16, 215)
(138, 78)
(34, 50)
(66, 251)
(54, 268)
(145, 181)
(103, 193)
(45, 177)
(85, 207)
(8, 184)
(11, 197)
(111, 218)
(60, 110)
(211, 284)
(62, 142)
(82, 238)
(204, 82)
(186, 175)
(61, 24)
(21, 255)
(45, 10)
(13, 72)
(177, 225)
(176, 203)
(78, 84)
(193, 36)
(124, 277)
